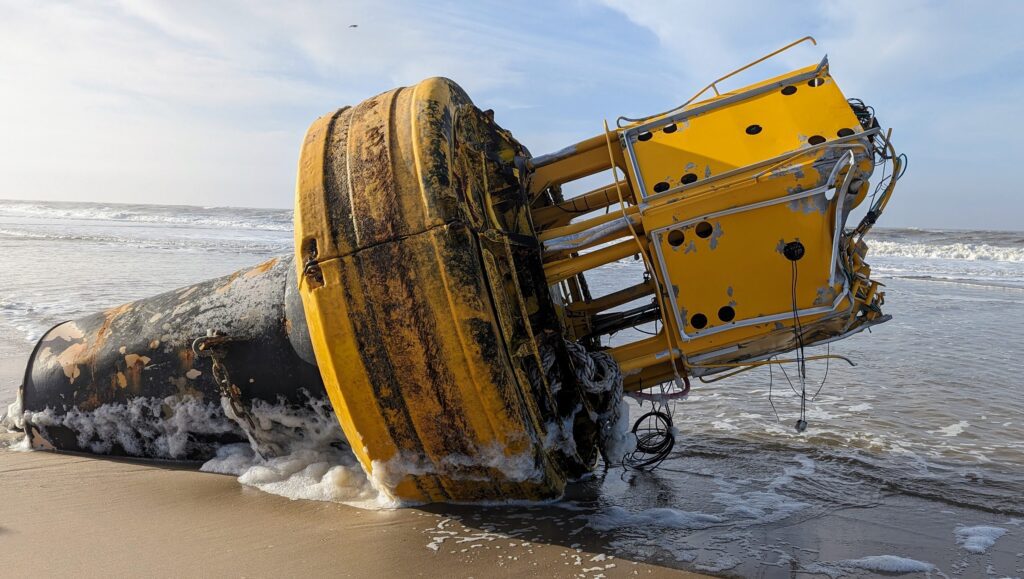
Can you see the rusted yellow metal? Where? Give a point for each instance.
(437, 260)
(419, 324)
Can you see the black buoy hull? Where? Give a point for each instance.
(127, 381)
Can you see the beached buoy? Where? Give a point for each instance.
(437, 294)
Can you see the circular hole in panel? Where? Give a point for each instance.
(688, 178)
(817, 81)
(704, 230)
(644, 136)
(661, 186)
(670, 128)
(844, 132)
(816, 140)
(788, 90)
(753, 129)
(698, 321)
(726, 313)
(676, 238)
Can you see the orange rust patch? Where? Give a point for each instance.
(136, 364)
(227, 284)
(261, 268)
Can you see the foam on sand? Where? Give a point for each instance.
(978, 539)
(664, 517)
(877, 563)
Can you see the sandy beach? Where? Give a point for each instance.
(94, 517)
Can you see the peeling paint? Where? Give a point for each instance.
(133, 359)
(70, 358)
(826, 295)
(716, 233)
(811, 204)
(690, 247)
(68, 332)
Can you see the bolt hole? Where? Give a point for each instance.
(309, 248)
(844, 132)
(817, 81)
(816, 140)
(676, 238)
(661, 186)
(726, 314)
(688, 178)
(753, 129)
(670, 128)
(704, 230)
(788, 90)
(699, 321)
(644, 136)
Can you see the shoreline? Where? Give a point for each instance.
(64, 514)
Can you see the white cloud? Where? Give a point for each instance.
(200, 102)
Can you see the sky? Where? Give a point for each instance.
(206, 103)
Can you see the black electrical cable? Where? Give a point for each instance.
(655, 439)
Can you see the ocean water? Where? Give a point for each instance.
(919, 447)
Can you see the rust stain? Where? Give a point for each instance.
(122, 380)
(261, 268)
(185, 358)
(227, 284)
(136, 363)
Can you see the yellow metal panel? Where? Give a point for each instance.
(404, 315)
(737, 134)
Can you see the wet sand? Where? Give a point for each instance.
(87, 516)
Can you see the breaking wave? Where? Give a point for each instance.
(218, 217)
(961, 251)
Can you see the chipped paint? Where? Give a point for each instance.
(70, 358)
(193, 374)
(825, 296)
(716, 233)
(690, 247)
(69, 332)
(154, 344)
(811, 204)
